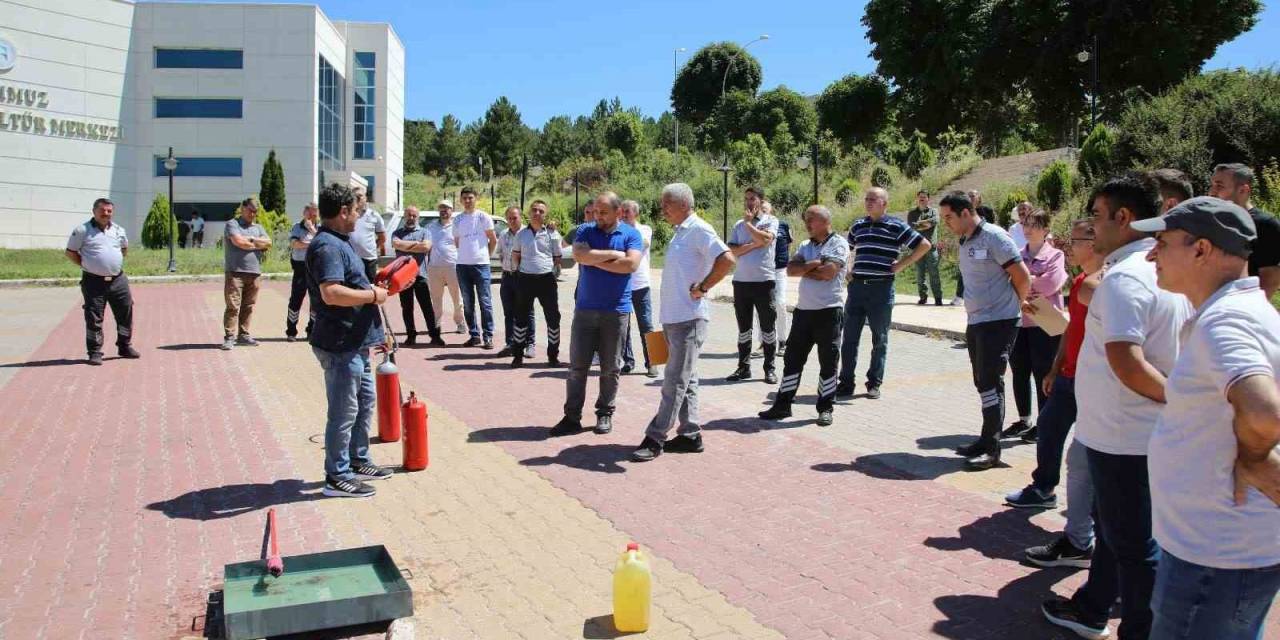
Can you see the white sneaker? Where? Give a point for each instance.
(529, 351)
(957, 302)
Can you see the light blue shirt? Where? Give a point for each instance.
(988, 293)
(691, 254)
(755, 265)
(817, 294)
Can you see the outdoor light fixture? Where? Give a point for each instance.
(170, 165)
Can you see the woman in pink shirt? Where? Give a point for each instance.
(1033, 351)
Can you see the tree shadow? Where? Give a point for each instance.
(601, 628)
(232, 500)
(57, 362)
(192, 346)
(897, 466)
(599, 458)
(509, 434)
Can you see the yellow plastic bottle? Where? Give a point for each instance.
(632, 584)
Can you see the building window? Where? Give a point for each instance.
(199, 108)
(329, 134)
(369, 190)
(364, 86)
(202, 168)
(199, 59)
(211, 211)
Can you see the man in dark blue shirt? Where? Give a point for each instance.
(607, 253)
(347, 325)
(876, 242)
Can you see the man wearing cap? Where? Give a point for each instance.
(369, 238)
(1234, 182)
(244, 242)
(536, 253)
(1130, 345)
(413, 240)
(442, 266)
(300, 237)
(475, 239)
(510, 285)
(1215, 469)
(98, 247)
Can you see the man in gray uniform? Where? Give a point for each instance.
(751, 242)
(98, 247)
(369, 238)
(535, 254)
(244, 242)
(511, 283)
(414, 240)
(300, 237)
(996, 284)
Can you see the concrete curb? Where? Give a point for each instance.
(931, 332)
(72, 282)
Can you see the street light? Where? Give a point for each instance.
(1085, 55)
(724, 226)
(170, 164)
(724, 166)
(675, 73)
(803, 162)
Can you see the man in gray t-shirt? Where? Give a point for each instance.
(996, 284)
(753, 281)
(244, 242)
(369, 238)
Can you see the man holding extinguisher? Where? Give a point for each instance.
(347, 326)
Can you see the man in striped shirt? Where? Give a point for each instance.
(876, 241)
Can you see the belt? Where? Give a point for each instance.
(102, 278)
(870, 279)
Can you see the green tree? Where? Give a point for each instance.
(450, 148)
(783, 107)
(729, 123)
(751, 159)
(502, 137)
(1054, 186)
(271, 184)
(557, 143)
(697, 87)
(921, 157)
(159, 226)
(1096, 160)
(419, 143)
(624, 131)
(854, 108)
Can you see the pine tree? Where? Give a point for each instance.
(158, 228)
(271, 185)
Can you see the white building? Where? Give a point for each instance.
(93, 93)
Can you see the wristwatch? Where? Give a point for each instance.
(702, 288)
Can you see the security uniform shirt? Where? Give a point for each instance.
(101, 250)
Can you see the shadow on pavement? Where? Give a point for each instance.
(509, 434)
(488, 366)
(601, 628)
(600, 458)
(559, 373)
(488, 355)
(951, 442)
(192, 346)
(59, 362)
(897, 466)
(756, 425)
(234, 499)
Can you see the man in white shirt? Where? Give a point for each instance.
(536, 254)
(1130, 345)
(508, 252)
(442, 265)
(1023, 209)
(369, 238)
(473, 233)
(98, 247)
(753, 282)
(1215, 470)
(640, 299)
(696, 260)
(197, 228)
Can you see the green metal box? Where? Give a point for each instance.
(317, 591)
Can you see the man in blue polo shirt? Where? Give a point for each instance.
(347, 325)
(876, 241)
(608, 252)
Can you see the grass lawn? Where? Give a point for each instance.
(20, 264)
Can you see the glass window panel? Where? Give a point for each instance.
(202, 167)
(199, 108)
(363, 77)
(366, 59)
(199, 59)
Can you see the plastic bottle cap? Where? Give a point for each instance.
(633, 546)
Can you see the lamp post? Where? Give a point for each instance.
(724, 166)
(724, 226)
(1085, 55)
(170, 164)
(675, 73)
(804, 162)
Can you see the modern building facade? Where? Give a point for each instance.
(93, 93)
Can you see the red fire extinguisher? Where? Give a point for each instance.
(415, 434)
(388, 390)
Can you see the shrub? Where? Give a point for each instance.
(921, 157)
(1004, 211)
(789, 197)
(881, 177)
(751, 159)
(1268, 196)
(159, 227)
(1096, 161)
(271, 184)
(1054, 186)
(846, 191)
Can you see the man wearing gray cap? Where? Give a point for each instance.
(1212, 458)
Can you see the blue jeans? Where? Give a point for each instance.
(473, 280)
(642, 304)
(1193, 601)
(869, 302)
(1124, 555)
(1054, 423)
(348, 386)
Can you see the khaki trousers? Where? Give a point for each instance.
(438, 278)
(240, 291)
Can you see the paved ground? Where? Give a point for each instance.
(133, 484)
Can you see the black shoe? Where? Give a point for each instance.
(291, 338)
(937, 302)
(566, 427)
(776, 412)
(1031, 498)
(505, 352)
(246, 340)
(472, 342)
(371, 471)
(873, 393)
(923, 300)
(770, 377)
(487, 344)
(627, 369)
(553, 361)
(844, 392)
(825, 418)
(129, 352)
(604, 424)
(437, 341)
(975, 448)
(1063, 612)
(1060, 554)
(347, 489)
(983, 462)
(742, 373)
(684, 444)
(95, 359)
(517, 362)
(1016, 429)
(1031, 435)
(648, 450)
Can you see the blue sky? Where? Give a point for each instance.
(560, 57)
